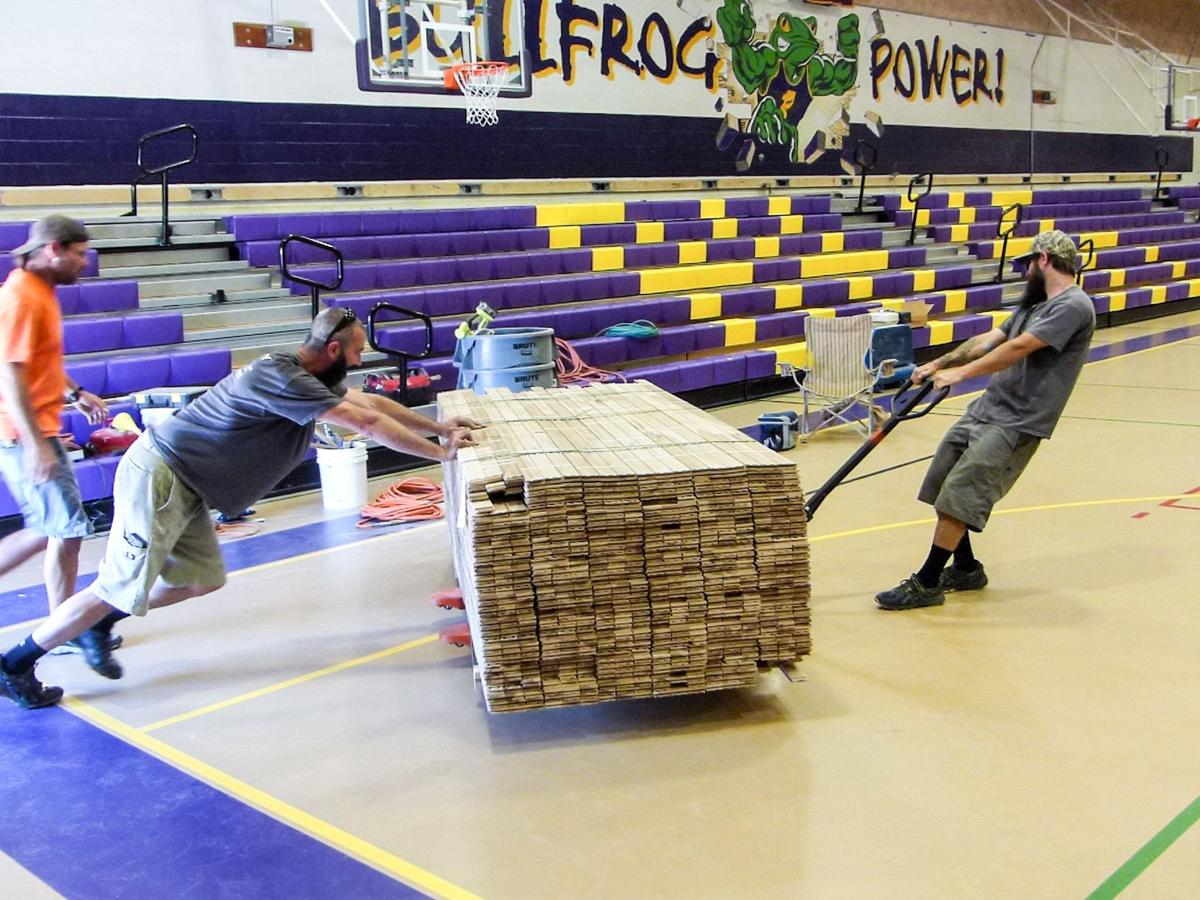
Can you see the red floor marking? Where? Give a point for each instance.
(1175, 504)
(1140, 515)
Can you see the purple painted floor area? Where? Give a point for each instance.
(96, 818)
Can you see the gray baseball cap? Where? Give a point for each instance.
(1054, 243)
(51, 230)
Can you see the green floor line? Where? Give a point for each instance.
(1152, 850)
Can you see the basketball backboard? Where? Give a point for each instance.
(408, 45)
(1183, 98)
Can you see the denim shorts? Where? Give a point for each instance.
(161, 529)
(53, 507)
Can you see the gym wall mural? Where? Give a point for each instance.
(784, 81)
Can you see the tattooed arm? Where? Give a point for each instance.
(966, 352)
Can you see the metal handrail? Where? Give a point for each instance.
(315, 287)
(164, 237)
(1001, 232)
(866, 155)
(372, 339)
(915, 200)
(1161, 159)
(1091, 255)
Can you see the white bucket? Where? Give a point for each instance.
(343, 476)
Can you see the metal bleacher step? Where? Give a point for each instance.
(161, 256)
(290, 330)
(205, 267)
(178, 242)
(246, 315)
(129, 229)
(208, 299)
(204, 283)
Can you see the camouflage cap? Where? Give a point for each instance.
(1053, 243)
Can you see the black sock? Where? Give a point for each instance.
(22, 658)
(105, 625)
(932, 570)
(964, 556)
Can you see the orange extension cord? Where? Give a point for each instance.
(573, 370)
(410, 500)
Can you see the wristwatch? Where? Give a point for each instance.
(74, 394)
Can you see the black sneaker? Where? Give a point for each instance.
(910, 594)
(98, 653)
(955, 579)
(114, 643)
(26, 691)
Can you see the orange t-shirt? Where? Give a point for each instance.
(31, 334)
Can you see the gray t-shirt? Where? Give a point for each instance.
(238, 440)
(1030, 395)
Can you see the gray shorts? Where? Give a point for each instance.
(53, 507)
(975, 465)
(161, 528)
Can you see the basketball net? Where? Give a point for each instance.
(480, 84)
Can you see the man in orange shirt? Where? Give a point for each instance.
(33, 386)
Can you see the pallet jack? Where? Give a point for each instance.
(904, 409)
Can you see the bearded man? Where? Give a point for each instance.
(223, 452)
(1035, 358)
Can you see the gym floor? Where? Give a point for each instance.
(304, 733)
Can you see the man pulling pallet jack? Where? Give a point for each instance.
(1035, 358)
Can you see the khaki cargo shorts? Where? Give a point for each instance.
(974, 467)
(161, 528)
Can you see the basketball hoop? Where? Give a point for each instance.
(480, 84)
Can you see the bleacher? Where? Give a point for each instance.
(729, 281)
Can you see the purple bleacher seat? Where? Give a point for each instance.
(672, 310)
(985, 297)
(13, 234)
(729, 369)
(892, 283)
(643, 256)
(91, 374)
(434, 271)
(604, 352)
(341, 224)
(68, 298)
(8, 506)
(577, 322)
(379, 221)
(769, 328)
(86, 335)
(679, 340)
(663, 376)
(695, 374)
(588, 287)
(151, 330)
(259, 253)
(107, 296)
(952, 277)
(253, 228)
(399, 274)
(1178, 291)
(135, 373)
(760, 364)
(199, 366)
(393, 246)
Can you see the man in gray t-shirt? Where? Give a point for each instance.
(1036, 357)
(224, 451)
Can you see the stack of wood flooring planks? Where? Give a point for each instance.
(616, 542)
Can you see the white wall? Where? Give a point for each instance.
(184, 49)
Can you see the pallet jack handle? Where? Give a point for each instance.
(904, 409)
(404, 313)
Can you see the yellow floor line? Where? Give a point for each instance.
(330, 834)
(1076, 504)
(291, 682)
